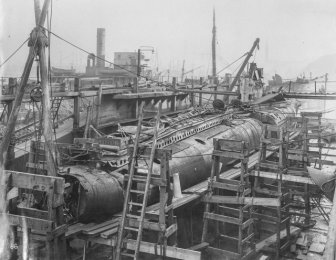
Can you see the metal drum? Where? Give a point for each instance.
(93, 194)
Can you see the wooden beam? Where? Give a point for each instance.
(37, 11)
(229, 93)
(173, 252)
(34, 181)
(275, 202)
(76, 119)
(329, 252)
(273, 238)
(33, 223)
(285, 177)
(46, 106)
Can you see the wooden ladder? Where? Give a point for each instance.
(268, 217)
(55, 106)
(232, 210)
(134, 210)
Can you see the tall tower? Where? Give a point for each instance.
(214, 72)
(100, 47)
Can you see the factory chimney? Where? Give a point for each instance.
(214, 70)
(100, 47)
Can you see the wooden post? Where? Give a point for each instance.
(173, 99)
(290, 84)
(315, 87)
(37, 11)
(76, 118)
(47, 122)
(136, 90)
(200, 94)
(192, 95)
(98, 105)
(215, 88)
(329, 252)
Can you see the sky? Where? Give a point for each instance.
(293, 33)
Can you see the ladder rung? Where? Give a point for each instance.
(228, 237)
(141, 168)
(136, 204)
(127, 254)
(132, 216)
(132, 229)
(137, 191)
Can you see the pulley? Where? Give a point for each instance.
(36, 94)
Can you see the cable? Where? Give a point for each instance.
(232, 63)
(14, 53)
(111, 63)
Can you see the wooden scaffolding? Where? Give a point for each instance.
(138, 181)
(301, 154)
(233, 209)
(268, 183)
(46, 226)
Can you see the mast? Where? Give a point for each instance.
(34, 42)
(214, 69)
(182, 74)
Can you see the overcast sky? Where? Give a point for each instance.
(292, 33)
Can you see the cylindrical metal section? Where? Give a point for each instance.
(100, 47)
(95, 194)
(192, 156)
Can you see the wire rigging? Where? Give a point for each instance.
(10, 56)
(232, 63)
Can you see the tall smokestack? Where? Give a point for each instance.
(214, 72)
(100, 47)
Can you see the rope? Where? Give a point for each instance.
(10, 56)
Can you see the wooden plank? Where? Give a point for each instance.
(236, 200)
(225, 186)
(33, 223)
(228, 154)
(99, 230)
(13, 193)
(109, 233)
(35, 182)
(221, 218)
(285, 177)
(199, 246)
(173, 252)
(34, 213)
(171, 230)
(273, 238)
(269, 165)
(92, 226)
(247, 223)
(76, 229)
(216, 252)
(146, 225)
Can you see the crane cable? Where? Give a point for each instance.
(10, 56)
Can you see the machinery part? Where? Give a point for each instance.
(92, 193)
(274, 115)
(36, 94)
(218, 104)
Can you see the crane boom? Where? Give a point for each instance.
(248, 56)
